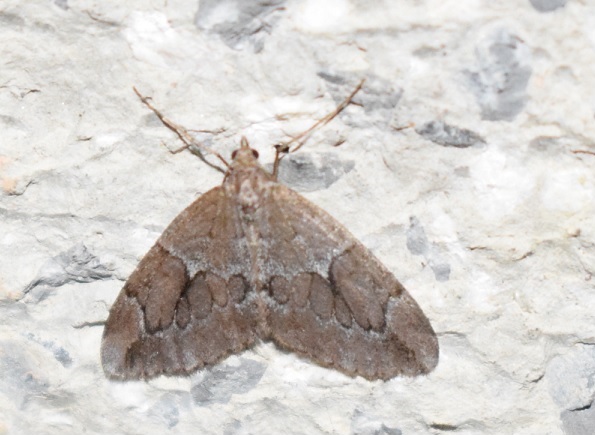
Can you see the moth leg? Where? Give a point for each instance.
(190, 143)
(280, 152)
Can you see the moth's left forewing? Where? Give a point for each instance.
(332, 301)
(187, 304)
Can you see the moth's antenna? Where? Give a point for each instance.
(285, 148)
(190, 143)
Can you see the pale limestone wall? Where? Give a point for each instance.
(468, 170)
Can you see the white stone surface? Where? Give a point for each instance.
(495, 240)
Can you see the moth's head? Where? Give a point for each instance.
(244, 156)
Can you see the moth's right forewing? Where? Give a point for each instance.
(332, 301)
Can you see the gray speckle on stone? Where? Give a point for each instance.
(448, 135)
(571, 377)
(74, 265)
(500, 78)
(385, 430)
(579, 421)
(544, 143)
(547, 5)
(61, 354)
(440, 268)
(239, 23)
(232, 428)
(418, 244)
(313, 171)
(363, 424)
(417, 241)
(378, 98)
(333, 78)
(62, 4)
(11, 19)
(19, 379)
(168, 408)
(224, 380)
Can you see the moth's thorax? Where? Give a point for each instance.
(249, 184)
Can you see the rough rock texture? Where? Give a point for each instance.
(468, 168)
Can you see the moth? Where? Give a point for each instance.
(253, 260)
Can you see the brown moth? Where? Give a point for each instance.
(253, 260)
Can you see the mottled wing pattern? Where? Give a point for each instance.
(332, 301)
(187, 304)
